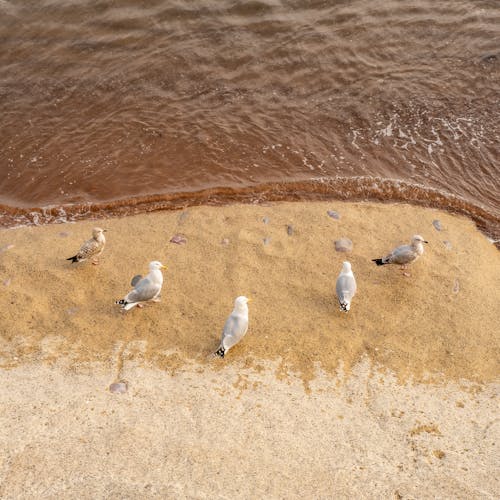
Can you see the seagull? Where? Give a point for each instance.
(404, 254)
(346, 286)
(145, 289)
(236, 326)
(91, 248)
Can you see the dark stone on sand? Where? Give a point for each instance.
(289, 229)
(178, 239)
(489, 58)
(267, 240)
(265, 220)
(343, 245)
(118, 388)
(333, 214)
(437, 224)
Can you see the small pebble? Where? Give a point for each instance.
(447, 244)
(7, 282)
(333, 214)
(456, 286)
(265, 220)
(63, 234)
(289, 229)
(182, 217)
(267, 240)
(178, 239)
(225, 241)
(343, 245)
(118, 388)
(6, 247)
(72, 310)
(437, 224)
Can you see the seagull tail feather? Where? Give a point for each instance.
(345, 306)
(125, 305)
(73, 259)
(220, 351)
(379, 262)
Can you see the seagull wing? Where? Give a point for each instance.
(144, 290)
(234, 330)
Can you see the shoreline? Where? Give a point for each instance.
(354, 190)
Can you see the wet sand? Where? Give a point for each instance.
(395, 398)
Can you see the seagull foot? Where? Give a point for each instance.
(140, 306)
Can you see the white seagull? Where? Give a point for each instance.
(145, 289)
(404, 254)
(236, 326)
(346, 286)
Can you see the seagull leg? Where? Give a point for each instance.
(403, 268)
(95, 262)
(140, 306)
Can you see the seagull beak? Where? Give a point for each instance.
(249, 300)
(426, 241)
(104, 230)
(164, 267)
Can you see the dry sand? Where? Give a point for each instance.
(397, 398)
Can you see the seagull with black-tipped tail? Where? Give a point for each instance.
(92, 248)
(236, 326)
(346, 286)
(147, 288)
(404, 254)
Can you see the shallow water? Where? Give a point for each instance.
(130, 106)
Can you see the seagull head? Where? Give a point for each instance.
(241, 302)
(97, 231)
(346, 267)
(156, 265)
(417, 239)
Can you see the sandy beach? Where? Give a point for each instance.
(396, 399)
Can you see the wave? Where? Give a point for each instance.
(338, 188)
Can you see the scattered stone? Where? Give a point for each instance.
(439, 454)
(343, 245)
(447, 244)
(182, 217)
(72, 310)
(7, 282)
(489, 58)
(289, 229)
(6, 247)
(225, 241)
(265, 220)
(333, 214)
(178, 239)
(456, 286)
(63, 234)
(267, 240)
(437, 224)
(118, 388)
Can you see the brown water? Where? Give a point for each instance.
(129, 106)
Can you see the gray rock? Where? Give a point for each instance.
(437, 224)
(343, 245)
(289, 229)
(178, 239)
(118, 388)
(333, 214)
